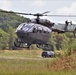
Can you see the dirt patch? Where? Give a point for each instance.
(65, 63)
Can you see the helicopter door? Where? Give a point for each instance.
(37, 29)
(46, 32)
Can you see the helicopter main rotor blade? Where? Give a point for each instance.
(61, 15)
(45, 12)
(38, 14)
(16, 12)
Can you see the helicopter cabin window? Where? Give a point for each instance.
(34, 30)
(39, 29)
(45, 30)
(49, 30)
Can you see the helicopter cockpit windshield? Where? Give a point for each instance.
(19, 27)
(24, 27)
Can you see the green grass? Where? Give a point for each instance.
(19, 66)
(28, 67)
(21, 53)
(22, 67)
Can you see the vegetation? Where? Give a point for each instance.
(9, 22)
(30, 62)
(24, 62)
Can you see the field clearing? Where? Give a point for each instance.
(21, 53)
(23, 62)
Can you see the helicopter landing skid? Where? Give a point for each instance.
(18, 44)
(45, 47)
(22, 45)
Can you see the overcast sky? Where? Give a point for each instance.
(39, 6)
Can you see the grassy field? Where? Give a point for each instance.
(23, 62)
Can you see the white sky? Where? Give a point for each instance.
(39, 6)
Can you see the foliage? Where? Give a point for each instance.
(4, 38)
(12, 36)
(62, 41)
(72, 45)
(9, 19)
(9, 22)
(18, 62)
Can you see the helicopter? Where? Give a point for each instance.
(38, 31)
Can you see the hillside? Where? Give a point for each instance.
(9, 19)
(8, 23)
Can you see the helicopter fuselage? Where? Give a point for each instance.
(32, 33)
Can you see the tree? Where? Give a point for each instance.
(12, 36)
(4, 38)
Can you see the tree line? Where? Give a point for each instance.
(8, 24)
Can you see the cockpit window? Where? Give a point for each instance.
(39, 28)
(45, 29)
(26, 27)
(19, 27)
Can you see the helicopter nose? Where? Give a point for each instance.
(21, 34)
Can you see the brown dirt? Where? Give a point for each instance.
(65, 63)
